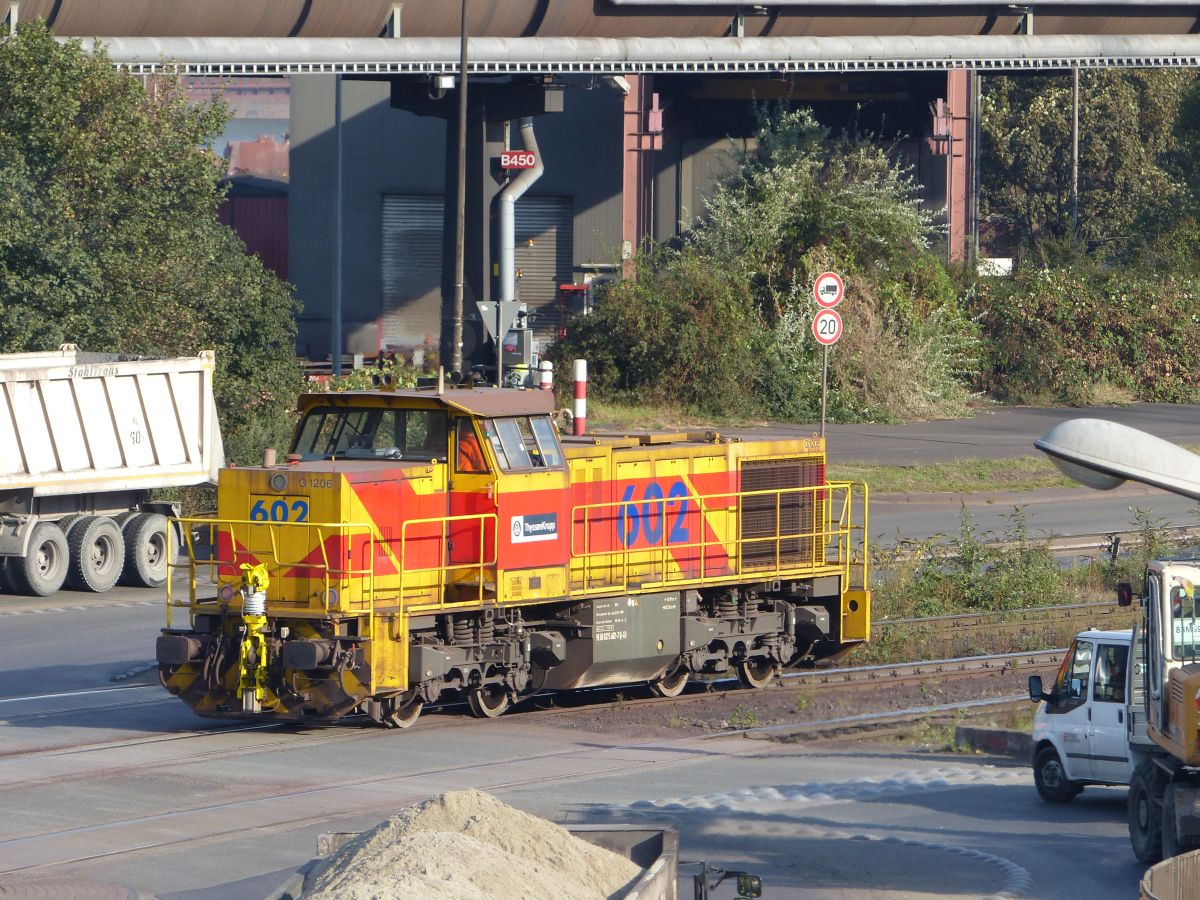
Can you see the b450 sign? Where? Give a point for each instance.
(517, 159)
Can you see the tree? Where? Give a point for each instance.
(1128, 189)
(109, 235)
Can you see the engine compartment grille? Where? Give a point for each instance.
(796, 515)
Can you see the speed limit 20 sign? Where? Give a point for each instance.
(827, 327)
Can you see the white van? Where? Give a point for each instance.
(1081, 733)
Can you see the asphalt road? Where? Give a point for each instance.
(995, 433)
(1000, 433)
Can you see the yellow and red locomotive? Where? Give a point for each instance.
(421, 545)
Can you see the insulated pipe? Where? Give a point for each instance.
(509, 196)
(253, 56)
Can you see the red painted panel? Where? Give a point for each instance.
(261, 223)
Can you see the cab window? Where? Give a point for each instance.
(524, 442)
(468, 456)
(1110, 673)
(1075, 672)
(372, 433)
(1185, 629)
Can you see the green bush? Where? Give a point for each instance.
(1055, 335)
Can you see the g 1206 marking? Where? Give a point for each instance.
(282, 509)
(646, 518)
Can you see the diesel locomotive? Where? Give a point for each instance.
(418, 546)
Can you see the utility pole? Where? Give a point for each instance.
(456, 339)
(336, 336)
(1075, 152)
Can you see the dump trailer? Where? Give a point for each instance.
(84, 439)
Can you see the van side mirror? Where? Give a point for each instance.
(749, 886)
(1035, 688)
(1124, 594)
(1076, 688)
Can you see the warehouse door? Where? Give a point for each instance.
(412, 272)
(547, 262)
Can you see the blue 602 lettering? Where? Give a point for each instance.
(652, 513)
(679, 527)
(647, 517)
(279, 510)
(628, 523)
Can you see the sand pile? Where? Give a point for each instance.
(465, 845)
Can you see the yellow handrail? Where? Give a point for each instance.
(324, 531)
(442, 568)
(708, 506)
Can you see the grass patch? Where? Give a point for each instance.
(614, 415)
(964, 476)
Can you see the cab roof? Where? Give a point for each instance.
(485, 401)
(1093, 634)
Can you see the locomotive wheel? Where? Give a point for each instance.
(487, 701)
(97, 554)
(402, 715)
(755, 673)
(671, 684)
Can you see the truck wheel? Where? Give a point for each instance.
(1173, 843)
(149, 547)
(97, 554)
(43, 571)
(1145, 814)
(66, 523)
(1050, 777)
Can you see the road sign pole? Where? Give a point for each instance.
(824, 385)
(500, 332)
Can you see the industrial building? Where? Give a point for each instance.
(636, 106)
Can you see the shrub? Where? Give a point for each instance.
(1055, 335)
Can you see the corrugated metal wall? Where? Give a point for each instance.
(390, 153)
(545, 263)
(411, 271)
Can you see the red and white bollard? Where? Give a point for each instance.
(579, 424)
(546, 375)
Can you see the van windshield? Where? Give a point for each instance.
(329, 432)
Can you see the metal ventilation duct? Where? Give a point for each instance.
(267, 56)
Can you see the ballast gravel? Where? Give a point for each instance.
(467, 845)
